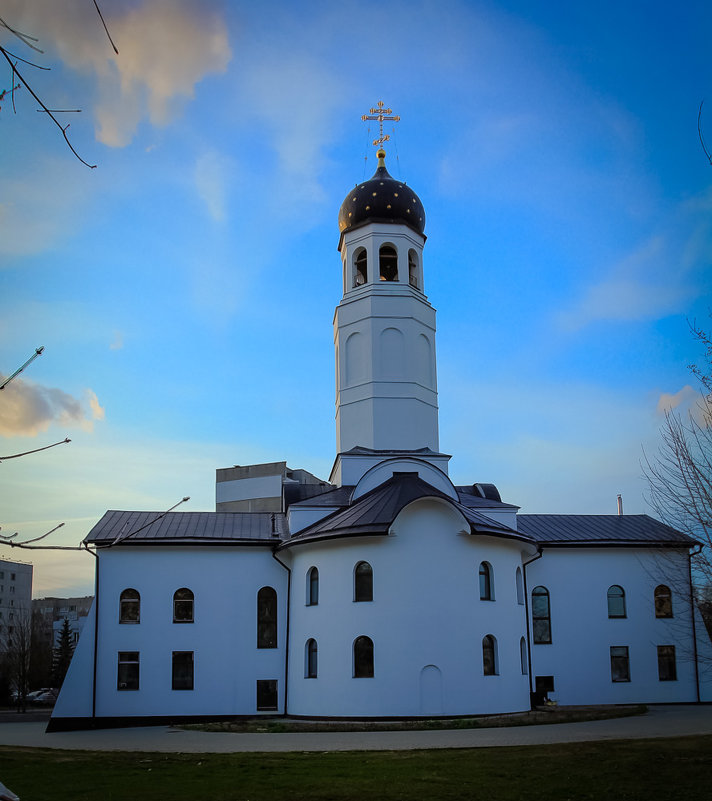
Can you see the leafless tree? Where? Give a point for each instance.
(679, 474)
(16, 659)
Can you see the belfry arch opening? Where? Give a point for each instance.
(388, 263)
(413, 268)
(360, 267)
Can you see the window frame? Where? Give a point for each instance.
(620, 664)
(363, 583)
(490, 666)
(187, 681)
(313, 586)
(267, 618)
(667, 663)
(124, 602)
(363, 658)
(129, 667)
(187, 603)
(537, 638)
(613, 600)
(662, 602)
(311, 657)
(486, 580)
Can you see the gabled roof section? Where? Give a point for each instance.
(374, 513)
(202, 528)
(601, 530)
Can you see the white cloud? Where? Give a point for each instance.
(118, 341)
(165, 48)
(28, 408)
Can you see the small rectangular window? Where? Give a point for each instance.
(182, 670)
(12, 576)
(667, 668)
(266, 694)
(620, 663)
(127, 674)
(544, 684)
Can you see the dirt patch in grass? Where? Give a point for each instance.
(552, 714)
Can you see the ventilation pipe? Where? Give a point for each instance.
(620, 504)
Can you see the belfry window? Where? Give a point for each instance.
(412, 269)
(388, 263)
(360, 268)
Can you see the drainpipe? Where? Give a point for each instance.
(96, 629)
(526, 609)
(694, 627)
(286, 646)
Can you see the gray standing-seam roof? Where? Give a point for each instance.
(374, 513)
(601, 530)
(204, 527)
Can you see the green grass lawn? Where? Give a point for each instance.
(648, 770)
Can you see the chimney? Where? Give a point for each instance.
(620, 504)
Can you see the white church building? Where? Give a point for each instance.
(386, 591)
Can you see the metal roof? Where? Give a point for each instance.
(601, 530)
(374, 513)
(468, 498)
(203, 527)
(329, 496)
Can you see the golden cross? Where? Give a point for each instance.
(379, 113)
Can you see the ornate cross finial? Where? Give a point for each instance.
(379, 113)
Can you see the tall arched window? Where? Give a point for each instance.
(541, 616)
(310, 659)
(183, 606)
(363, 658)
(520, 586)
(616, 601)
(388, 263)
(313, 587)
(267, 618)
(523, 656)
(486, 593)
(489, 655)
(360, 268)
(663, 601)
(363, 582)
(412, 268)
(129, 606)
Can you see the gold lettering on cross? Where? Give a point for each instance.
(381, 114)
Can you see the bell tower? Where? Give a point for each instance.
(384, 326)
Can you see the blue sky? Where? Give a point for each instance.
(184, 289)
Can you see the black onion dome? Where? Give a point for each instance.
(382, 199)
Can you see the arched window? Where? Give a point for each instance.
(486, 582)
(412, 268)
(360, 268)
(310, 659)
(267, 618)
(520, 586)
(541, 616)
(489, 655)
(183, 606)
(313, 587)
(363, 658)
(523, 656)
(363, 582)
(616, 601)
(663, 601)
(129, 606)
(388, 263)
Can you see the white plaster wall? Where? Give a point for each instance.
(582, 634)
(227, 662)
(426, 611)
(248, 488)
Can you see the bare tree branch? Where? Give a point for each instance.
(699, 133)
(38, 352)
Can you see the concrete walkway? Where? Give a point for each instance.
(660, 721)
